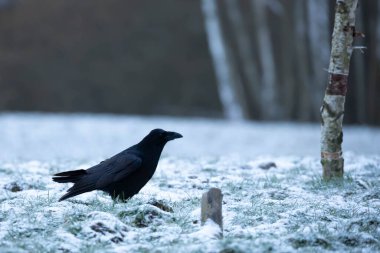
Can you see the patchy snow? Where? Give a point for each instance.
(209, 230)
(274, 199)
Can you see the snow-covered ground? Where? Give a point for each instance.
(47, 137)
(284, 208)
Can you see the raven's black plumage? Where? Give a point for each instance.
(122, 175)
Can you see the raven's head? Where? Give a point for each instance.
(160, 136)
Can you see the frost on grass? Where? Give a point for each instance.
(271, 203)
(281, 208)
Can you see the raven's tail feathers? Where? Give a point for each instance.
(69, 176)
(81, 185)
(77, 189)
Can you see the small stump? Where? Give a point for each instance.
(211, 207)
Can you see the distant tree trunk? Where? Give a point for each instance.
(374, 65)
(376, 88)
(378, 31)
(360, 80)
(301, 55)
(269, 81)
(288, 68)
(246, 53)
(332, 110)
(318, 32)
(226, 78)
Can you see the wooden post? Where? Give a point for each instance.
(211, 207)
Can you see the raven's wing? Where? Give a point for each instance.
(115, 169)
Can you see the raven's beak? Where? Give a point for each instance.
(172, 135)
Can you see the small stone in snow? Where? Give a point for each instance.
(102, 228)
(267, 166)
(246, 167)
(161, 205)
(230, 250)
(13, 187)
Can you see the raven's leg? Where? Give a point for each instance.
(118, 196)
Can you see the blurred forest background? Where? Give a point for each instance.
(153, 57)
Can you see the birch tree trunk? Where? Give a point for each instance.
(232, 107)
(332, 110)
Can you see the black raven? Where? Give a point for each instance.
(122, 175)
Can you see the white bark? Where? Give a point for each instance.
(341, 47)
(223, 69)
(332, 110)
(269, 96)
